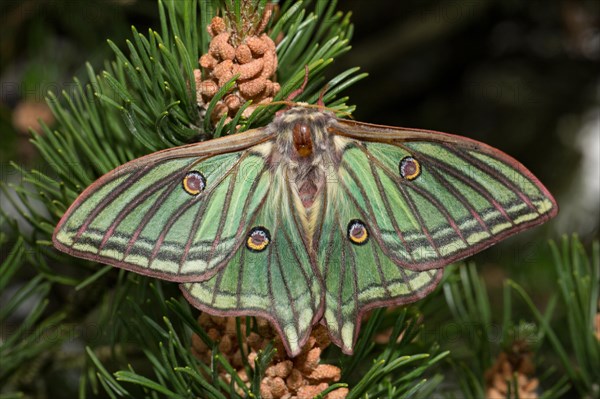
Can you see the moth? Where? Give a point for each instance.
(309, 219)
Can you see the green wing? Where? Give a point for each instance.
(359, 276)
(432, 198)
(178, 214)
(274, 280)
(405, 203)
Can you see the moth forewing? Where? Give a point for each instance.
(440, 197)
(121, 218)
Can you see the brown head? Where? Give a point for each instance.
(302, 139)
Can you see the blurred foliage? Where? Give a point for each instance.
(44, 44)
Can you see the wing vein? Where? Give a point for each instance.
(197, 220)
(216, 291)
(408, 200)
(224, 213)
(388, 209)
(144, 195)
(424, 193)
(341, 286)
(460, 197)
(107, 200)
(288, 292)
(384, 282)
(480, 189)
(238, 293)
(496, 174)
(299, 263)
(148, 216)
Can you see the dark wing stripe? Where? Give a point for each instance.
(406, 197)
(223, 216)
(316, 238)
(354, 290)
(288, 292)
(107, 200)
(384, 281)
(481, 190)
(437, 204)
(405, 279)
(249, 199)
(238, 293)
(305, 240)
(424, 193)
(341, 286)
(197, 221)
(328, 253)
(386, 203)
(128, 183)
(144, 195)
(240, 231)
(492, 172)
(165, 230)
(369, 210)
(270, 279)
(417, 214)
(459, 197)
(198, 218)
(298, 262)
(147, 217)
(364, 215)
(217, 289)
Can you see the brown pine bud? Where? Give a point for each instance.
(208, 61)
(219, 110)
(198, 344)
(325, 373)
(220, 48)
(223, 71)
(256, 45)
(225, 345)
(243, 54)
(254, 340)
(308, 362)
(269, 64)
(251, 69)
(233, 102)
(339, 393)
(217, 25)
(213, 334)
(278, 388)
(310, 391)
(208, 88)
(295, 380)
(253, 87)
(230, 326)
(265, 389)
(283, 369)
(197, 77)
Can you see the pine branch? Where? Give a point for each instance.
(24, 344)
(579, 281)
(518, 351)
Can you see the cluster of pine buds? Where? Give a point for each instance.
(252, 58)
(511, 367)
(301, 377)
